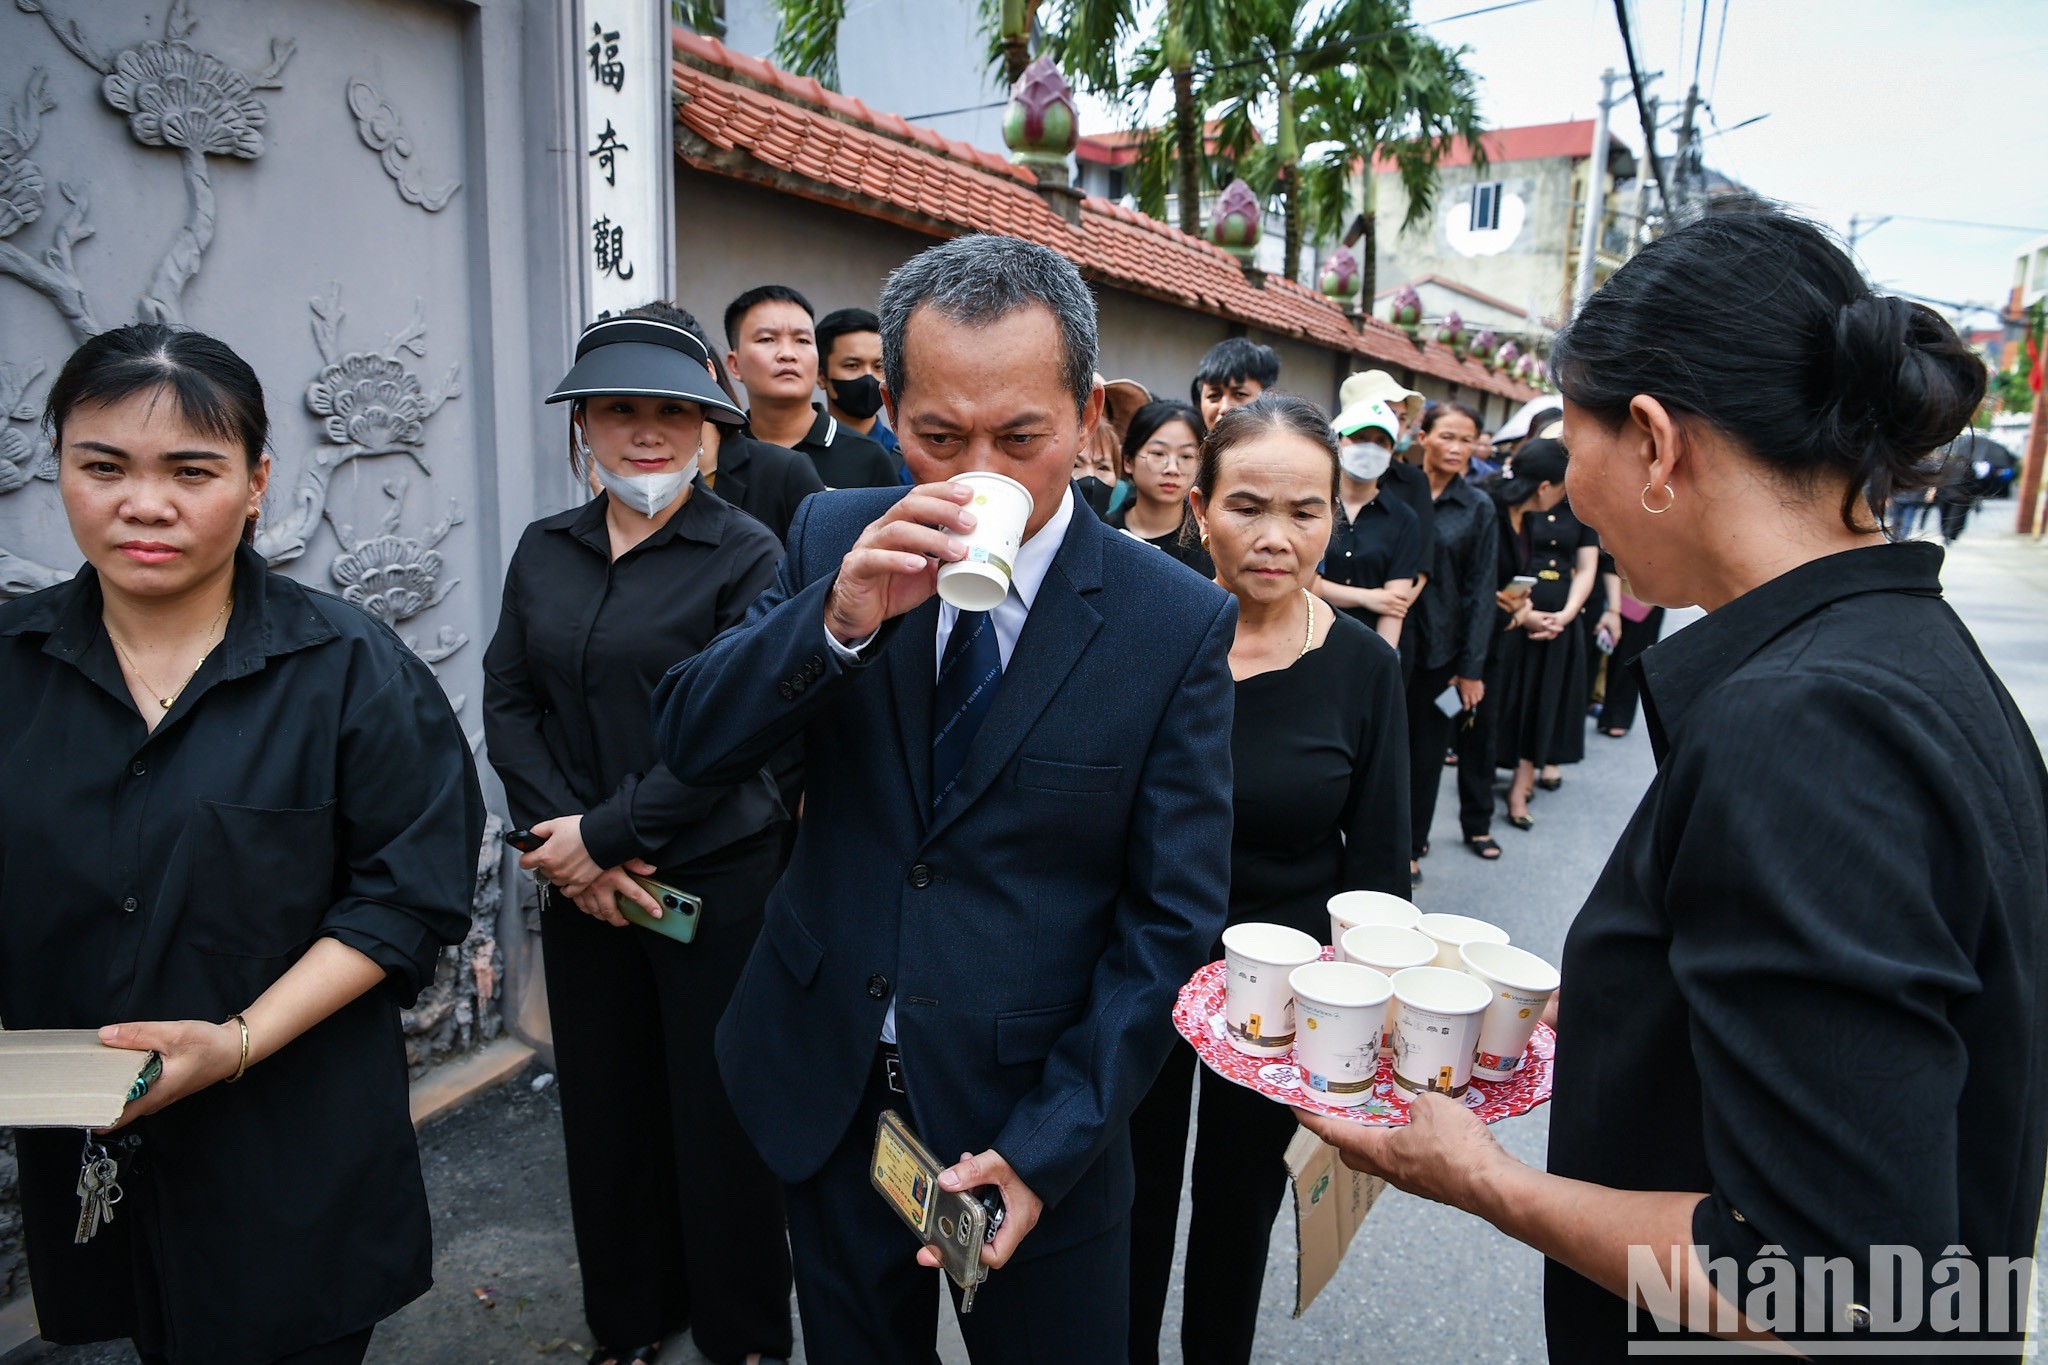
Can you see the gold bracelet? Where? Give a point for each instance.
(238, 1019)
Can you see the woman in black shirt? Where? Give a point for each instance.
(676, 1217)
(1375, 547)
(1320, 762)
(1539, 716)
(1453, 624)
(244, 810)
(1803, 1031)
(1160, 454)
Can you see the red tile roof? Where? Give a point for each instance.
(1124, 145)
(752, 121)
(1458, 287)
(1537, 142)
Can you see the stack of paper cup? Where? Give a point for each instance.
(1258, 1001)
(1521, 984)
(1386, 949)
(1436, 1024)
(1338, 1009)
(1453, 932)
(1002, 508)
(1350, 909)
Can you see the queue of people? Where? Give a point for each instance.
(818, 843)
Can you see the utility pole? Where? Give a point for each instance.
(1685, 160)
(1596, 194)
(1642, 185)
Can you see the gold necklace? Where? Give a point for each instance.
(1308, 637)
(136, 669)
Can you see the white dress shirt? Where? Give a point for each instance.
(1034, 559)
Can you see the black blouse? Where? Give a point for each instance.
(569, 678)
(764, 480)
(1320, 753)
(1381, 545)
(1408, 485)
(1548, 547)
(1188, 552)
(309, 782)
(1810, 980)
(1454, 617)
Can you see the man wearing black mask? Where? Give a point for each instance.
(850, 373)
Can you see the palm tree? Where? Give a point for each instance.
(1404, 97)
(1087, 38)
(1350, 74)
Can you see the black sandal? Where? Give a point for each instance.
(1484, 846)
(1550, 784)
(1522, 821)
(627, 1355)
(1414, 877)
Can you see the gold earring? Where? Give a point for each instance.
(1671, 497)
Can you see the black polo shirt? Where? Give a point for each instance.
(1383, 544)
(1812, 981)
(845, 458)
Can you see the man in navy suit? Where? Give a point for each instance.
(1016, 843)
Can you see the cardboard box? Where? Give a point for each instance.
(1330, 1202)
(63, 1078)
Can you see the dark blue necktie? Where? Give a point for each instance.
(966, 688)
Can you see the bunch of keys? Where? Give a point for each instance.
(954, 1224)
(99, 1189)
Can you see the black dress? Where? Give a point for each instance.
(1321, 794)
(310, 782)
(1187, 550)
(1542, 705)
(676, 1216)
(1809, 981)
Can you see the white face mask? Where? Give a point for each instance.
(1364, 460)
(646, 494)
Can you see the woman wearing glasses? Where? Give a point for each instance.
(1160, 451)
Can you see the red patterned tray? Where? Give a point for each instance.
(1199, 1017)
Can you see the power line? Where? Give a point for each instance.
(1720, 46)
(1635, 78)
(1699, 49)
(1962, 223)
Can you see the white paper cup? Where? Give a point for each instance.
(1001, 507)
(1387, 949)
(1453, 932)
(1350, 909)
(1258, 1004)
(1522, 984)
(1338, 1010)
(1436, 1023)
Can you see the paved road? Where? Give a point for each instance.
(1420, 1283)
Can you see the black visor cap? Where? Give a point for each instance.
(642, 357)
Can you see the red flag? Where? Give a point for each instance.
(2035, 357)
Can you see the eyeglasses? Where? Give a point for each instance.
(1157, 457)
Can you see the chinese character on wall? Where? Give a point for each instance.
(605, 66)
(606, 151)
(610, 245)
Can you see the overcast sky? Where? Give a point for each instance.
(1929, 108)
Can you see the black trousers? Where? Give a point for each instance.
(1618, 709)
(1237, 1186)
(349, 1350)
(866, 1301)
(1431, 734)
(677, 1218)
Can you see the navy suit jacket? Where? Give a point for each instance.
(1034, 929)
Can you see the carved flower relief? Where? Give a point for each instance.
(391, 577)
(177, 96)
(15, 453)
(370, 401)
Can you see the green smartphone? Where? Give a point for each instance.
(679, 911)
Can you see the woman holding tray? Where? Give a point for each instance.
(677, 1218)
(1320, 760)
(241, 813)
(1803, 1035)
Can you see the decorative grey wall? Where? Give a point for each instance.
(367, 199)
